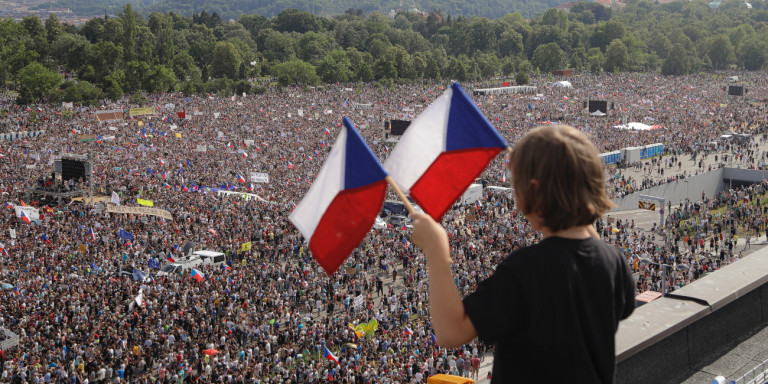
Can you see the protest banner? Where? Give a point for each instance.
(109, 115)
(140, 211)
(260, 178)
(31, 212)
(142, 111)
(146, 203)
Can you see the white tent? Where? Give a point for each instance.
(598, 113)
(562, 84)
(637, 126)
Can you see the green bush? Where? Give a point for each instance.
(139, 99)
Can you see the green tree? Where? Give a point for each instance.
(488, 65)
(595, 60)
(136, 76)
(226, 60)
(616, 56)
(35, 81)
(111, 86)
(295, 72)
(82, 92)
(161, 79)
(292, 20)
(279, 47)
(335, 68)
(129, 19)
(365, 73)
(548, 57)
(53, 28)
(38, 40)
(521, 78)
(677, 63)
(313, 46)
(754, 53)
(433, 70)
(721, 52)
(384, 69)
(184, 68)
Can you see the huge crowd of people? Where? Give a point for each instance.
(270, 315)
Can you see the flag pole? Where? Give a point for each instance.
(401, 195)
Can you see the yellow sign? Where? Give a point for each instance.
(245, 247)
(178, 135)
(146, 203)
(646, 205)
(141, 123)
(142, 111)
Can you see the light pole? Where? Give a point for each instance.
(675, 267)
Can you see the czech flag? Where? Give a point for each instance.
(328, 355)
(44, 237)
(92, 234)
(197, 275)
(408, 331)
(170, 258)
(25, 218)
(162, 162)
(98, 140)
(23, 204)
(245, 155)
(163, 175)
(250, 187)
(240, 178)
(289, 164)
(343, 202)
(230, 145)
(445, 148)
(9, 205)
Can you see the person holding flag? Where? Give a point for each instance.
(564, 294)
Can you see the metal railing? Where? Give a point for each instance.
(757, 375)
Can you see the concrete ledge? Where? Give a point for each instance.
(664, 341)
(722, 287)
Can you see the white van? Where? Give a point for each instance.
(211, 257)
(181, 266)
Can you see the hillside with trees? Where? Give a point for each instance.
(203, 53)
(233, 9)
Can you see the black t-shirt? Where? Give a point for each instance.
(552, 311)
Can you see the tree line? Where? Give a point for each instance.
(229, 9)
(109, 57)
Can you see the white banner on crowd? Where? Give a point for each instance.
(245, 196)
(12, 233)
(115, 198)
(140, 211)
(31, 212)
(201, 148)
(260, 178)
